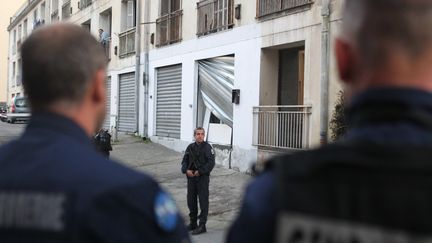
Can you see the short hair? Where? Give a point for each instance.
(58, 64)
(380, 27)
(198, 129)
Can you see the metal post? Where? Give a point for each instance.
(325, 13)
(137, 61)
(146, 65)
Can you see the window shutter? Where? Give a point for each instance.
(130, 14)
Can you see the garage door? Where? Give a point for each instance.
(168, 101)
(106, 124)
(127, 110)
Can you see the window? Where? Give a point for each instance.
(19, 32)
(13, 70)
(35, 16)
(14, 42)
(270, 7)
(82, 4)
(169, 24)
(54, 6)
(130, 22)
(19, 37)
(127, 37)
(169, 6)
(19, 70)
(214, 16)
(66, 10)
(54, 10)
(42, 12)
(25, 28)
(105, 19)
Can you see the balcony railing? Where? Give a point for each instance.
(127, 43)
(82, 4)
(266, 7)
(214, 16)
(169, 28)
(107, 49)
(282, 126)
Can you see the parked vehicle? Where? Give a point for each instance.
(18, 111)
(3, 107)
(20, 105)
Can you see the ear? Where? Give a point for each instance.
(99, 93)
(346, 60)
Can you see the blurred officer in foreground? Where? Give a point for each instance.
(54, 186)
(376, 185)
(198, 161)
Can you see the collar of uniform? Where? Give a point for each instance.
(390, 105)
(59, 124)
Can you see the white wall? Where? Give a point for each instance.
(244, 44)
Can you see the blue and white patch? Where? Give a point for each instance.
(166, 212)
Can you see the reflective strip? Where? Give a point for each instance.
(302, 229)
(37, 211)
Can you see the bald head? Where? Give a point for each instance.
(379, 27)
(59, 63)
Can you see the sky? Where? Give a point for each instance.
(6, 11)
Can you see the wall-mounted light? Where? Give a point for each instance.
(235, 96)
(237, 11)
(152, 38)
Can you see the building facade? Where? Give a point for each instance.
(257, 75)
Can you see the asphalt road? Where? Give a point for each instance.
(10, 131)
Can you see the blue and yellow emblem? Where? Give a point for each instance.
(166, 212)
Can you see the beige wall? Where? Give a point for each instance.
(6, 11)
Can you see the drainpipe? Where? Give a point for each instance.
(325, 66)
(146, 65)
(137, 61)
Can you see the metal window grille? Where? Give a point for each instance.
(127, 43)
(266, 7)
(214, 16)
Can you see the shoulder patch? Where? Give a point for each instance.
(166, 212)
(211, 148)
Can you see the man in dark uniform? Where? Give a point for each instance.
(197, 164)
(54, 186)
(102, 142)
(375, 185)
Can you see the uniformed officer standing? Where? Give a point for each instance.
(375, 185)
(54, 186)
(102, 142)
(197, 164)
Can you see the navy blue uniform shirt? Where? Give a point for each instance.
(256, 221)
(54, 187)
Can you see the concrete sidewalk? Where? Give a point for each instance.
(226, 186)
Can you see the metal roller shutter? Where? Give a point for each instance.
(168, 101)
(106, 124)
(127, 109)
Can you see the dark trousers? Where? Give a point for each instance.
(198, 188)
